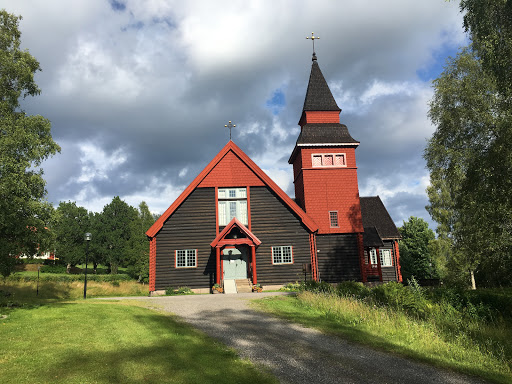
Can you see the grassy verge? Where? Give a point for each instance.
(394, 331)
(17, 293)
(108, 342)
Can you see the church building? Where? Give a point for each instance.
(234, 226)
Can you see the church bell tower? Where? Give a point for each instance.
(324, 162)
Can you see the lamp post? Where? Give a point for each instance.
(88, 237)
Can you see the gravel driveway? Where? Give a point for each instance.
(295, 354)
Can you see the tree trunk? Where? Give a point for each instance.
(68, 268)
(473, 284)
(113, 268)
(95, 267)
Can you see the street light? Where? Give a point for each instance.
(88, 237)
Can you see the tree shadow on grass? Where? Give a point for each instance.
(181, 355)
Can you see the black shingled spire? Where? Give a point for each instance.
(318, 94)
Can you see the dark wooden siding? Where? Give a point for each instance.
(191, 226)
(338, 257)
(276, 225)
(389, 273)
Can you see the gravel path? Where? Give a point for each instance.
(295, 354)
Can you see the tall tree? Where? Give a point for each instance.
(469, 155)
(116, 229)
(25, 141)
(415, 252)
(71, 224)
(489, 24)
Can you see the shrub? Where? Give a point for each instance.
(51, 268)
(317, 287)
(398, 297)
(352, 289)
(291, 287)
(179, 291)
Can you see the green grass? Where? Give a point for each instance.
(392, 330)
(18, 293)
(110, 342)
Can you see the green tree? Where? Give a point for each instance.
(470, 163)
(25, 141)
(115, 232)
(415, 252)
(489, 24)
(138, 262)
(71, 224)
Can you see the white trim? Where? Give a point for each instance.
(189, 258)
(326, 144)
(281, 249)
(386, 261)
(333, 156)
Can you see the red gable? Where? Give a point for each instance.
(232, 167)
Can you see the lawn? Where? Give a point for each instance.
(111, 342)
(392, 330)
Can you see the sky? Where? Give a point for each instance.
(138, 92)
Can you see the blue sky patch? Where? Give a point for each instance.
(277, 102)
(434, 68)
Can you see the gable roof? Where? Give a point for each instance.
(318, 94)
(235, 223)
(375, 214)
(231, 147)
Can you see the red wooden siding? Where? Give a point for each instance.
(231, 171)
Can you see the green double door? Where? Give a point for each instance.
(235, 265)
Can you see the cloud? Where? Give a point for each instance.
(138, 92)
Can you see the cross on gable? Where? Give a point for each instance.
(230, 126)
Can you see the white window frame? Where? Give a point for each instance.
(239, 198)
(334, 215)
(190, 256)
(323, 157)
(373, 256)
(278, 255)
(386, 259)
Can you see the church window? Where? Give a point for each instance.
(329, 160)
(232, 203)
(333, 218)
(373, 256)
(186, 258)
(282, 255)
(385, 257)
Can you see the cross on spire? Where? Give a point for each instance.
(229, 125)
(313, 37)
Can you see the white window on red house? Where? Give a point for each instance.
(232, 203)
(333, 218)
(317, 160)
(186, 258)
(282, 255)
(339, 160)
(385, 257)
(373, 256)
(328, 160)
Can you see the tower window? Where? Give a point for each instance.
(333, 217)
(329, 160)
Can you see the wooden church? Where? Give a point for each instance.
(233, 225)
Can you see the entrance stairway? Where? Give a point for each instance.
(243, 286)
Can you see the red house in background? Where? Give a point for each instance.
(234, 225)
